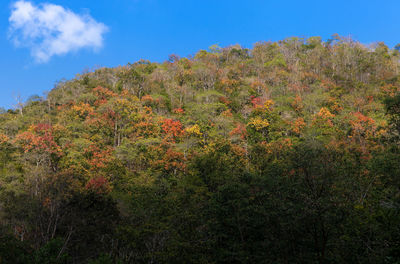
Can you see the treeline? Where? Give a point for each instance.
(288, 152)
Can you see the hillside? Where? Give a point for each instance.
(284, 153)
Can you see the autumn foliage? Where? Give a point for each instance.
(286, 152)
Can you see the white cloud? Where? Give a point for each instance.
(49, 30)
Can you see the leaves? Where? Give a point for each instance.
(283, 153)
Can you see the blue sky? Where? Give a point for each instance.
(153, 29)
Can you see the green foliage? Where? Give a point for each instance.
(284, 153)
(51, 253)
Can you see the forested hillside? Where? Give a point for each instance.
(284, 153)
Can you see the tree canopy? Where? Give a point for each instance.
(288, 152)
